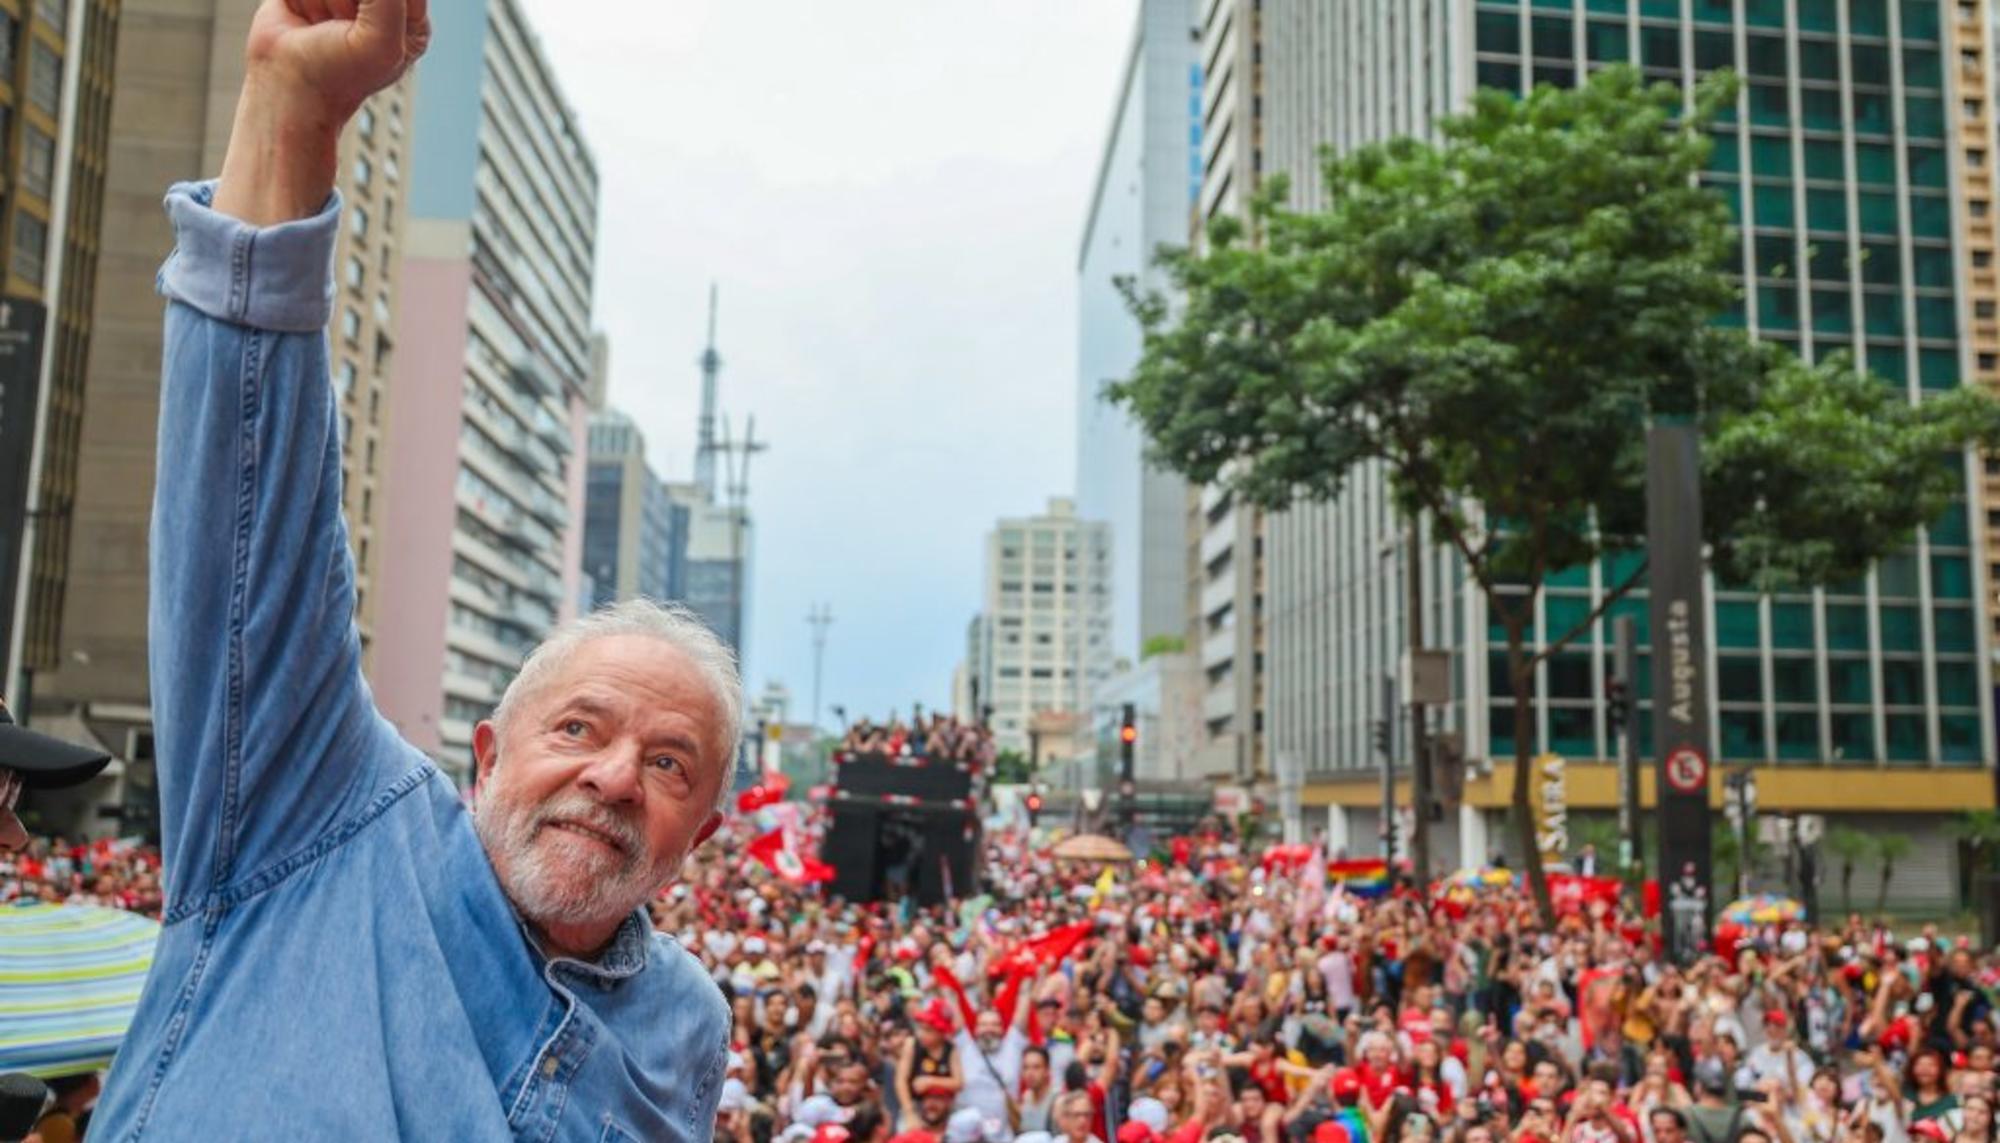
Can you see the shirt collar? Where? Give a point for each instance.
(622, 959)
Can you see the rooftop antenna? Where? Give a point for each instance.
(706, 446)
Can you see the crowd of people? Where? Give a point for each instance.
(110, 873)
(938, 736)
(1210, 997)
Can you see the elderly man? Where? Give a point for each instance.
(348, 953)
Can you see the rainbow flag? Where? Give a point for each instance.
(1368, 877)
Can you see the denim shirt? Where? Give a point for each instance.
(338, 960)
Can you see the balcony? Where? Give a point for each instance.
(1220, 702)
(1217, 595)
(1219, 648)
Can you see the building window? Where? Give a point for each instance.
(347, 376)
(358, 222)
(6, 44)
(45, 79)
(55, 13)
(350, 325)
(392, 170)
(31, 240)
(365, 122)
(357, 272)
(38, 162)
(364, 172)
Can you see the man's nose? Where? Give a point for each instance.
(612, 776)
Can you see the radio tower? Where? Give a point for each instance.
(819, 618)
(711, 372)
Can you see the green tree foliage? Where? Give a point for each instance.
(1162, 645)
(1492, 319)
(1849, 847)
(1889, 849)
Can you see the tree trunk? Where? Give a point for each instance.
(1846, 887)
(1882, 890)
(1523, 680)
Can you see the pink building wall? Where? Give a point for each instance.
(426, 409)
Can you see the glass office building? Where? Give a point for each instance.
(1846, 162)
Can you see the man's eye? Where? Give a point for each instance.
(576, 728)
(667, 762)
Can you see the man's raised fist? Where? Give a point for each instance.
(334, 54)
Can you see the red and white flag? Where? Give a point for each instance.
(774, 853)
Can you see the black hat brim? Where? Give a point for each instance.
(46, 763)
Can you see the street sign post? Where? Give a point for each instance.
(1681, 733)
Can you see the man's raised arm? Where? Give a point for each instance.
(265, 734)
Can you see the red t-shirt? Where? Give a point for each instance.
(1265, 1075)
(1379, 1086)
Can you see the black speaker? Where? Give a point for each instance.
(883, 852)
(925, 780)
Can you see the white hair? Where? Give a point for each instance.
(671, 623)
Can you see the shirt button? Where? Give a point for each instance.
(550, 1066)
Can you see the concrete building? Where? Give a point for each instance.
(1225, 550)
(1846, 157)
(1148, 180)
(1043, 640)
(1164, 694)
(634, 533)
(53, 228)
(177, 72)
(485, 533)
(716, 563)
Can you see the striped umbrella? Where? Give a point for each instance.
(69, 980)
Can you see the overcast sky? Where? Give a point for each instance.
(890, 194)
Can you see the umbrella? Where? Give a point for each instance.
(69, 981)
(1763, 909)
(1480, 880)
(1092, 847)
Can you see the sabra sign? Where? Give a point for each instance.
(1552, 803)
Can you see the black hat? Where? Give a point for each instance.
(45, 763)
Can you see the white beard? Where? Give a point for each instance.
(556, 878)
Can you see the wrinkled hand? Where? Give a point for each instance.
(338, 52)
(308, 67)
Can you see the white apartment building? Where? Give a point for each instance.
(1044, 638)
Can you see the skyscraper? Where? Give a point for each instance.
(1147, 182)
(635, 534)
(485, 533)
(177, 71)
(1043, 640)
(1225, 549)
(1845, 170)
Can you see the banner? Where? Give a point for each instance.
(1682, 736)
(1549, 791)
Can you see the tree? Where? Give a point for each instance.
(1849, 846)
(1491, 320)
(1010, 767)
(1890, 848)
(1162, 645)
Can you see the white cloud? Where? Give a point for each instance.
(891, 193)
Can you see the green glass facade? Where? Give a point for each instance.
(1835, 165)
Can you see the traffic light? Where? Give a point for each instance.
(1618, 704)
(1381, 735)
(1129, 735)
(1034, 804)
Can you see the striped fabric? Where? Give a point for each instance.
(69, 980)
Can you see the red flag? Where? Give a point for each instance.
(772, 853)
(1051, 949)
(943, 974)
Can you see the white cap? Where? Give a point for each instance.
(815, 946)
(734, 1096)
(1034, 1137)
(736, 1063)
(1919, 944)
(1150, 1112)
(967, 1125)
(754, 946)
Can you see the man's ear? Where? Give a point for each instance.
(708, 829)
(485, 753)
